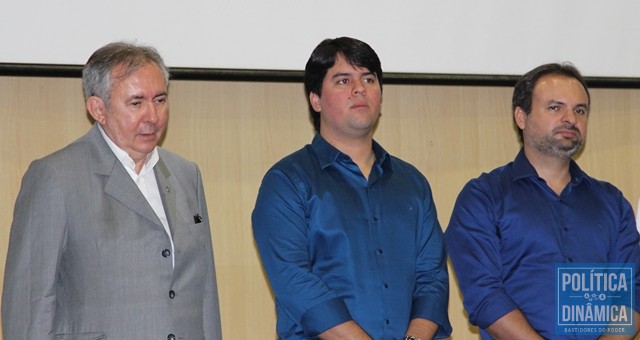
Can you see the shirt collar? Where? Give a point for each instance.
(522, 168)
(327, 154)
(126, 160)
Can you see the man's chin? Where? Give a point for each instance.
(571, 150)
(146, 148)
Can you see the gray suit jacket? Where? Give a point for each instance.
(87, 257)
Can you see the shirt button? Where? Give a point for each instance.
(386, 321)
(172, 294)
(166, 253)
(570, 259)
(386, 285)
(375, 218)
(565, 228)
(380, 251)
(171, 337)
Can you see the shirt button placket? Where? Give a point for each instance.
(565, 229)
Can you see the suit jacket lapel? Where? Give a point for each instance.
(167, 192)
(119, 184)
(177, 204)
(121, 187)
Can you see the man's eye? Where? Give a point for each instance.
(343, 81)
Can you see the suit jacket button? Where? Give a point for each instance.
(166, 253)
(171, 337)
(172, 294)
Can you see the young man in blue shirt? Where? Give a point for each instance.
(347, 233)
(510, 227)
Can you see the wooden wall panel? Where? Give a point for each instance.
(236, 130)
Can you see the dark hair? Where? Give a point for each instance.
(356, 53)
(523, 91)
(96, 74)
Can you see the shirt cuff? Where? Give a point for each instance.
(433, 308)
(324, 316)
(492, 308)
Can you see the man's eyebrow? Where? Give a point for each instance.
(141, 96)
(346, 74)
(341, 74)
(560, 102)
(583, 105)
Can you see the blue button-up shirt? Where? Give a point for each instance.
(338, 247)
(508, 229)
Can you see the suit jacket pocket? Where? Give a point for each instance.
(198, 229)
(81, 336)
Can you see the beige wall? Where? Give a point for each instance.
(236, 130)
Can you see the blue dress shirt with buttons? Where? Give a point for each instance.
(508, 229)
(338, 247)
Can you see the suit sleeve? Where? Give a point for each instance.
(211, 309)
(36, 243)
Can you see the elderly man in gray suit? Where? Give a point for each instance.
(110, 236)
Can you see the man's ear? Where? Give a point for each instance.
(95, 106)
(314, 99)
(520, 117)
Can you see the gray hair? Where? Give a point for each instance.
(96, 74)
